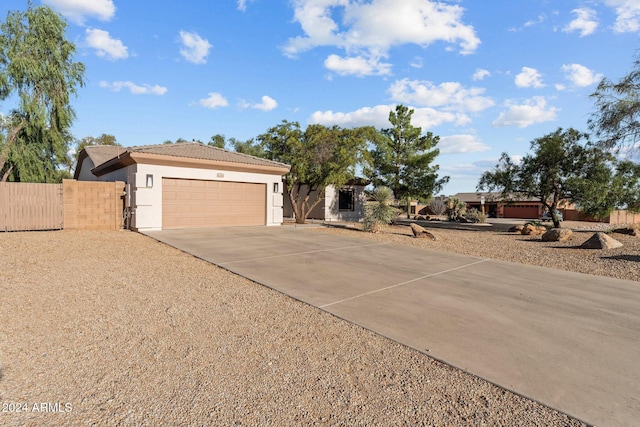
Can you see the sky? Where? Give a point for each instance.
(485, 76)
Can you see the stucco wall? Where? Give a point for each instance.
(146, 202)
(328, 208)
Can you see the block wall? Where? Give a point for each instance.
(91, 205)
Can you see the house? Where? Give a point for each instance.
(496, 207)
(339, 204)
(187, 185)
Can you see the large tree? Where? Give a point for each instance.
(617, 118)
(319, 156)
(563, 166)
(36, 69)
(403, 159)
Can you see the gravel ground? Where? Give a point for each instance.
(620, 263)
(113, 328)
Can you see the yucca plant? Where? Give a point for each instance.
(456, 208)
(379, 212)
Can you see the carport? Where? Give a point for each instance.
(564, 339)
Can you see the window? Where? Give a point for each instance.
(346, 200)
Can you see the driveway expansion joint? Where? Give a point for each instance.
(404, 283)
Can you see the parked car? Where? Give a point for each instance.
(546, 216)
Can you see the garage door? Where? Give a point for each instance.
(525, 212)
(188, 203)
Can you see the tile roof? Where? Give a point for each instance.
(192, 150)
(101, 153)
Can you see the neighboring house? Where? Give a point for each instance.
(344, 204)
(188, 185)
(496, 207)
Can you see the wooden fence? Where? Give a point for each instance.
(71, 205)
(31, 206)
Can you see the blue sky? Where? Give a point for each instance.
(486, 77)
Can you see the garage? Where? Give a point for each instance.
(191, 203)
(521, 211)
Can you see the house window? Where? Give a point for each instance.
(346, 200)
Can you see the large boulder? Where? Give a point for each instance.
(557, 235)
(601, 240)
(421, 233)
(533, 230)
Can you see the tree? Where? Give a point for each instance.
(561, 168)
(403, 157)
(249, 147)
(617, 120)
(218, 141)
(37, 69)
(319, 156)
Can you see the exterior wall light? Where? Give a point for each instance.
(149, 181)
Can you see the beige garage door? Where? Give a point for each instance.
(188, 203)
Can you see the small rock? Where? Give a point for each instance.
(516, 229)
(557, 235)
(601, 241)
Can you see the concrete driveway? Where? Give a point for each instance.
(568, 340)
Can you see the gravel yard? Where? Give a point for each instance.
(113, 328)
(620, 263)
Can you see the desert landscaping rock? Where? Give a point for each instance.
(601, 241)
(129, 331)
(533, 230)
(557, 235)
(421, 232)
(630, 231)
(516, 229)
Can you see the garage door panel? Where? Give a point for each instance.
(197, 203)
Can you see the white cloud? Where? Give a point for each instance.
(580, 75)
(450, 96)
(628, 11)
(134, 88)
(214, 100)
(378, 116)
(585, 22)
(417, 62)
(267, 104)
(242, 4)
(358, 66)
(362, 33)
(194, 49)
(532, 111)
(105, 45)
(529, 77)
(79, 10)
(456, 144)
(481, 74)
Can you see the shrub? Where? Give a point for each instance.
(438, 206)
(379, 213)
(475, 216)
(456, 208)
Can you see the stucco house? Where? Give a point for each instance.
(346, 203)
(188, 185)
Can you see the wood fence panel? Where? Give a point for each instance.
(27, 207)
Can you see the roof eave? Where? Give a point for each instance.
(162, 160)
